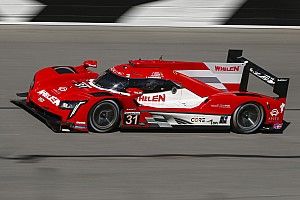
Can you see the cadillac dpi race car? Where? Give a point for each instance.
(149, 94)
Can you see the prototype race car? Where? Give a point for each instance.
(157, 94)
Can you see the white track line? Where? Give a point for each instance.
(130, 25)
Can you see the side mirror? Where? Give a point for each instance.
(136, 92)
(90, 63)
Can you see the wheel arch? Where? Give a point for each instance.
(96, 103)
(249, 102)
(254, 102)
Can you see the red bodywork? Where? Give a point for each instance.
(199, 102)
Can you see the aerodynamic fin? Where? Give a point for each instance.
(224, 76)
(280, 85)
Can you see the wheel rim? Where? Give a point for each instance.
(249, 117)
(104, 116)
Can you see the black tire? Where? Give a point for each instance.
(247, 118)
(104, 117)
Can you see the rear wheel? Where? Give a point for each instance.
(247, 118)
(104, 116)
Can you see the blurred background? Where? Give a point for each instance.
(154, 12)
(36, 163)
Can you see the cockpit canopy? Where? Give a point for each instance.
(109, 80)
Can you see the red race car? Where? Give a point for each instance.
(148, 94)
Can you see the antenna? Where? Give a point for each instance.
(161, 57)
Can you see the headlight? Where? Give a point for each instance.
(68, 104)
(71, 105)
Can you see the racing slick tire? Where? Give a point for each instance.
(247, 118)
(104, 116)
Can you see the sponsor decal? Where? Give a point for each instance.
(282, 79)
(53, 99)
(197, 119)
(220, 106)
(154, 98)
(80, 122)
(273, 118)
(185, 119)
(131, 109)
(264, 77)
(155, 75)
(212, 122)
(82, 85)
(132, 113)
(223, 119)
(277, 126)
(227, 68)
(62, 89)
(274, 112)
(79, 127)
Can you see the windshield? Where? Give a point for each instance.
(112, 81)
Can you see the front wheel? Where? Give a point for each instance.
(104, 116)
(247, 118)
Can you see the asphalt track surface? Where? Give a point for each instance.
(35, 163)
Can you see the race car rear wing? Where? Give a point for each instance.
(280, 85)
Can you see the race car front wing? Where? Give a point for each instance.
(51, 120)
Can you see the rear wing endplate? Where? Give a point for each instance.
(280, 85)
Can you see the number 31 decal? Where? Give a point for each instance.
(131, 118)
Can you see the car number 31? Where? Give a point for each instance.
(131, 118)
